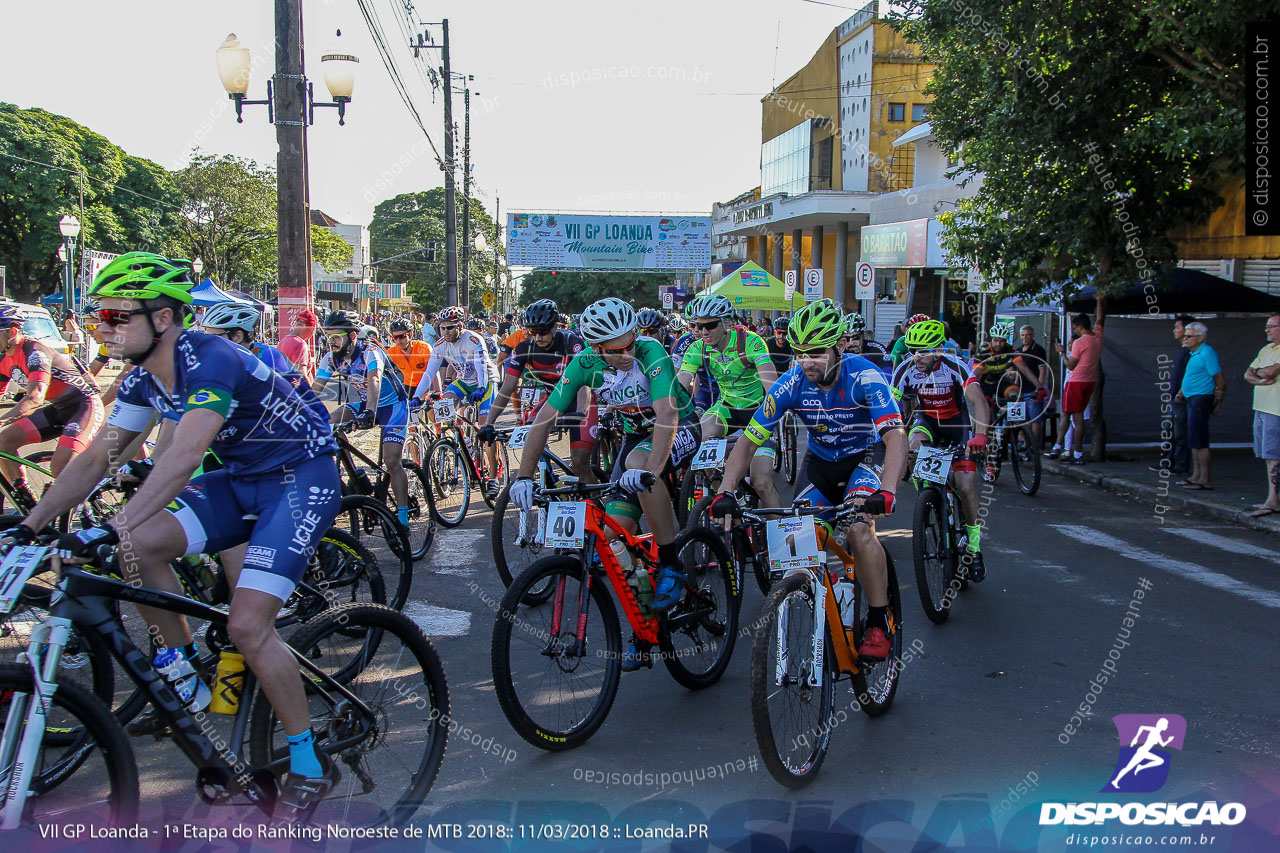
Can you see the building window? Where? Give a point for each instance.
(897, 112)
(919, 111)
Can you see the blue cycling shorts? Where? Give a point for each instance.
(828, 484)
(394, 420)
(294, 508)
(482, 397)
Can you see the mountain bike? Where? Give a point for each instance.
(787, 437)
(938, 534)
(38, 477)
(1011, 439)
(374, 684)
(356, 481)
(797, 655)
(456, 462)
(556, 665)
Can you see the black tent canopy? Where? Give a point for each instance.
(1185, 291)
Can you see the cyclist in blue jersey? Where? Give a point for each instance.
(279, 491)
(849, 411)
(361, 365)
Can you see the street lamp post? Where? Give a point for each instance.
(69, 227)
(291, 108)
(197, 267)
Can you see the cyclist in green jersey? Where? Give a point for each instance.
(743, 370)
(634, 377)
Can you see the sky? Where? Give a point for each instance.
(581, 106)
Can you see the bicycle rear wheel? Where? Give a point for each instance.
(374, 525)
(555, 687)
(389, 664)
(422, 522)
(94, 773)
(450, 482)
(790, 456)
(876, 684)
(931, 551)
(697, 635)
(1025, 460)
(342, 571)
(791, 718)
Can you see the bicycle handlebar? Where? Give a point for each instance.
(585, 489)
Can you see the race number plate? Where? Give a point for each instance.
(529, 396)
(517, 438)
(444, 409)
(19, 565)
(566, 525)
(792, 544)
(1017, 412)
(709, 455)
(933, 464)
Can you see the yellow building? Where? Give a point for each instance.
(1222, 247)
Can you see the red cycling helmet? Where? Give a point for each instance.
(917, 318)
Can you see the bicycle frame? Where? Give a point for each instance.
(84, 601)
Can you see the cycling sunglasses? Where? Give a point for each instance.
(622, 350)
(705, 326)
(540, 330)
(811, 354)
(118, 316)
(400, 336)
(451, 327)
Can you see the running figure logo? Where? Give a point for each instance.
(1145, 744)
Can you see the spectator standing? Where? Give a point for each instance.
(1083, 362)
(1262, 375)
(429, 329)
(296, 345)
(1177, 458)
(1203, 388)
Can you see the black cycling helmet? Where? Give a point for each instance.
(339, 320)
(475, 324)
(780, 324)
(651, 318)
(401, 325)
(540, 315)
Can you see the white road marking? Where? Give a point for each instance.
(455, 551)
(1226, 543)
(1182, 568)
(438, 621)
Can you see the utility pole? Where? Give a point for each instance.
(450, 201)
(498, 293)
(293, 251)
(466, 199)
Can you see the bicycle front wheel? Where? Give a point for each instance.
(374, 525)
(698, 633)
(931, 552)
(1025, 460)
(450, 482)
(390, 749)
(422, 522)
(517, 543)
(94, 773)
(556, 687)
(790, 456)
(791, 717)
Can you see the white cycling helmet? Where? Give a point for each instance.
(367, 332)
(607, 319)
(715, 306)
(231, 315)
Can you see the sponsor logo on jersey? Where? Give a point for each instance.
(258, 555)
(655, 372)
(770, 406)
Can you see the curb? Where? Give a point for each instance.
(1147, 491)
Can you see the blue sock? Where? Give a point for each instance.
(302, 755)
(402, 513)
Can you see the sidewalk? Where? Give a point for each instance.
(1239, 481)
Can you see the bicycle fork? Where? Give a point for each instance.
(19, 757)
(819, 639)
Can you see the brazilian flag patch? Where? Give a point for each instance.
(205, 398)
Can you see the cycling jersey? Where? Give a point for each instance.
(514, 339)
(412, 363)
(103, 355)
(706, 384)
(938, 393)
(544, 366)
(66, 376)
(739, 383)
(280, 363)
(629, 392)
(364, 360)
(990, 368)
(268, 425)
(847, 419)
(468, 356)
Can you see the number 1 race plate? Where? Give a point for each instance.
(792, 544)
(566, 525)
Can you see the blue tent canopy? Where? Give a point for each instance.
(56, 298)
(207, 293)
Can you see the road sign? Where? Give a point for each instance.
(812, 285)
(789, 284)
(668, 299)
(864, 281)
(487, 301)
(375, 290)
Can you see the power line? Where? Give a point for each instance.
(87, 176)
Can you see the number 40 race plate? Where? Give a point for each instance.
(566, 525)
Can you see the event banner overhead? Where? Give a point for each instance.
(608, 242)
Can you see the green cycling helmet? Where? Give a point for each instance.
(144, 275)
(853, 324)
(815, 325)
(926, 334)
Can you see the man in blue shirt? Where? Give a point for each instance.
(1203, 388)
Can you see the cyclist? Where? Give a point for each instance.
(857, 450)
(61, 400)
(899, 350)
(279, 466)
(409, 354)
(947, 403)
(653, 324)
(853, 339)
(779, 347)
(633, 375)
(743, 370)
(360, 363)
(468, 354)
(540, 362)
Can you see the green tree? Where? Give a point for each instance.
(228, 217)
(50, 166)
(573, 291)
(329, 250)
(1097, 128)
(413, 221)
